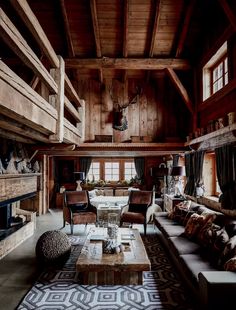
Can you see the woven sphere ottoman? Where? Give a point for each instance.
(53, 247)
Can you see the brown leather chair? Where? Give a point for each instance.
(136, 210)
(77, 209)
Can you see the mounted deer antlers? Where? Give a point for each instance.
(119, 119)
(118, 105)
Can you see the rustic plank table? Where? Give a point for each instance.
(125, 268)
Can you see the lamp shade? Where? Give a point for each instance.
(178, 171)
(80, 175)
(159, 171)
(162, 171)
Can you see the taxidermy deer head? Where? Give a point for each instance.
(119, 119)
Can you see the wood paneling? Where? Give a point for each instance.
(148, 117)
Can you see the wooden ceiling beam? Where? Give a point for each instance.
(96, 32)
(185, 27)
(31, 22)
(155, 27)
(70, 46)
(229, 13)
(181, 89)
(127, 63)
(126, 28)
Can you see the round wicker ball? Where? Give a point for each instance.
(53, 247)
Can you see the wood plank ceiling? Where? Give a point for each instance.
(120, 38)
(102, 39)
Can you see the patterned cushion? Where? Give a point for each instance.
(229, 251)
(99, 192)
(221, 240)
(207, 234)
(195, 223)
(108, 192)
(180, 211)
(230, 265)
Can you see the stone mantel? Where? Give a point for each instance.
(17, 185)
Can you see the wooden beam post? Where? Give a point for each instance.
(181, 89)
(59, 76)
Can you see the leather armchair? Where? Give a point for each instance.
(77, 209)
(137, 208)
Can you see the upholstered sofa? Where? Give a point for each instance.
(113, 196)
(202, 244)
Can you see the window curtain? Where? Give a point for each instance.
(198, 159)
(189, 167)
(139, 163)
(225, 167)
(85, 163)
(175, 160)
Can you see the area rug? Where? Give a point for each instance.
(58, 289)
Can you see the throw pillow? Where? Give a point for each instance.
(229, 251)
(230, 265)
(221, 240)
(230, 226)
(195, 223)
(179, 211)
(108, 192)
(99, 192)
(92, 194)
(207, 234)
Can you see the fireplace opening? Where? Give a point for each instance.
(10, 222)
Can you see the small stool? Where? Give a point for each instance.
(53, 247)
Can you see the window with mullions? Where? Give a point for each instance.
(94, 171)
(130, 171)
(215, 72)
(112, 171)
(219, 74)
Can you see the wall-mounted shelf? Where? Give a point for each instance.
(214, 139)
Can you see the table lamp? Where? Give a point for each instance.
(80, 176)
(177, 172)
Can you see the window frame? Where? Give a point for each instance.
(209, 171)
(213, 62)
(223, 76)
(121, 162)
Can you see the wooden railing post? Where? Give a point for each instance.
(81, 125)
(59, 98)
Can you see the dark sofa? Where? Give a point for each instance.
(201, 258)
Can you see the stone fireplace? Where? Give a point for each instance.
(16, 224)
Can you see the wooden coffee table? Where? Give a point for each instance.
(126, 268)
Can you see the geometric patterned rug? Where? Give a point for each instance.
(162, 288)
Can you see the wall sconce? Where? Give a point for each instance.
(80, 176)
(177, 172)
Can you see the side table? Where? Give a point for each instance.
(170, 201)
(103, 210)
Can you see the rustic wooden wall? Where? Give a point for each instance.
(159, 112)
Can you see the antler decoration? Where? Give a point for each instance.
(119, 119)
(121, 106)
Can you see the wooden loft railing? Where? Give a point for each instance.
(38, 112)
